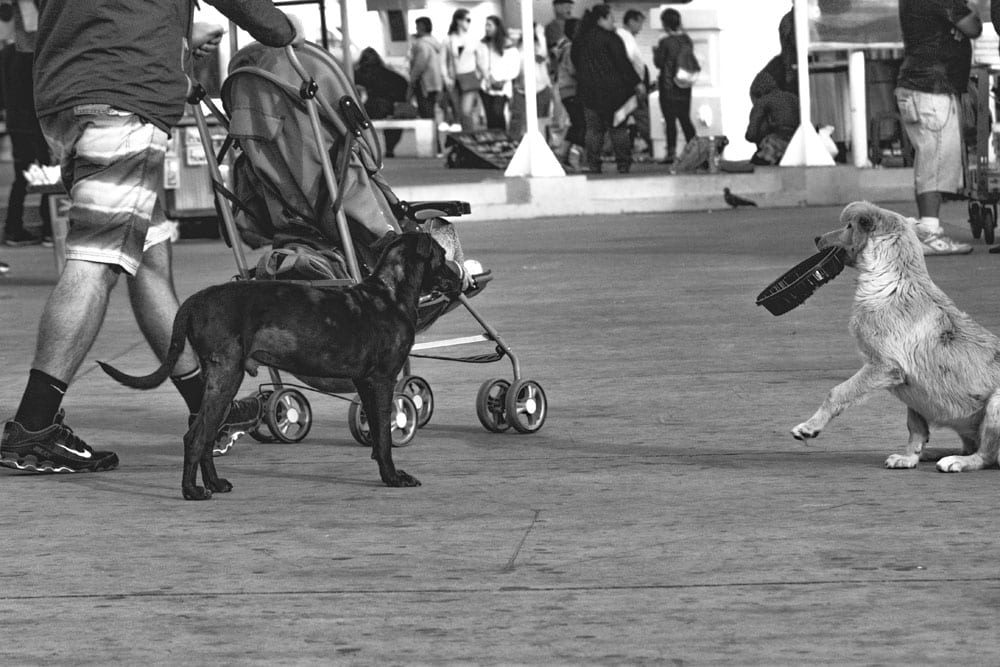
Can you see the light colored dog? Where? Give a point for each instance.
(915, 342)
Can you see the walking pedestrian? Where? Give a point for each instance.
(675, 93)
(108, 89)
(27, 143)
(426, 64)
(497, 63)
(461, 76)
(937, 60)
(605, 82)
(383, 88)
(571, 148)
(543, 88)
(632, 23)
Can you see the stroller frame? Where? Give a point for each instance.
(287, 414)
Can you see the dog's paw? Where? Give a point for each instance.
(196, 493)
(401, 479)
(220, 486)
(959, 463)
(900, 461)
(805, 432)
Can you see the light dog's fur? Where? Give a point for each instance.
(915, 342)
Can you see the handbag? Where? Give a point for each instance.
(685, 78)
(467, 81)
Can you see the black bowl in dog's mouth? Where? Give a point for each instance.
(799, 282)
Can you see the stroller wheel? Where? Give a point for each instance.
(526, 406)
(420, 393)
(261, 432)
(491, 405)
(288, 415)
(403, 425)
(989, 220)
(975, 219)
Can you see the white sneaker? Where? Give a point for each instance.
(939, 244)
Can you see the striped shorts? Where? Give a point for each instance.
(112, 167)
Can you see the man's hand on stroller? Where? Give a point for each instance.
(205, 38)
(300, 33)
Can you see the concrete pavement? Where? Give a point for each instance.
(662, 515)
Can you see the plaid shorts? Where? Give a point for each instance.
(933, 125)
(112, 167)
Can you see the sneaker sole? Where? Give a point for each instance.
(224, 448)
(31, 464)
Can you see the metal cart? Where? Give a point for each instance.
(982, 169)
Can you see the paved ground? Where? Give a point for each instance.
(662, 515)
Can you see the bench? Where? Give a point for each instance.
(423, 132)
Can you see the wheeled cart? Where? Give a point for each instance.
(982, 169)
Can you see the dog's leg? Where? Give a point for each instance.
(376, 398)
(919, 435)
(221, 386)
(989, 443)
(861, 385)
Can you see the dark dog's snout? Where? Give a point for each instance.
(816, 240)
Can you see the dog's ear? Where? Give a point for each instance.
(866, 222)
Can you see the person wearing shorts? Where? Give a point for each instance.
(108, 89)
(937, 58)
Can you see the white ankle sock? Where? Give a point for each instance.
(927, 225)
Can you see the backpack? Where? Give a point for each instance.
(687, 66)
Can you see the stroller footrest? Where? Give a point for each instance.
(425, 210)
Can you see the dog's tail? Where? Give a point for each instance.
(178, 340)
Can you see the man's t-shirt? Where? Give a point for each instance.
(130, 55)
(937, 57)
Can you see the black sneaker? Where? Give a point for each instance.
(55, 449)
(21, 238)
(244, 414)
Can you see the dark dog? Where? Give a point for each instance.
(363, 332)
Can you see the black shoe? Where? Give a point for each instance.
(54, 449)
(21, 238)
(244, 415)
(4, 268)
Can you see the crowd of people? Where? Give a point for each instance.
(591, 83)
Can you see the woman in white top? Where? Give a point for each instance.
(460, 77)
(497, 62)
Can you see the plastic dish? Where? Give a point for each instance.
(798, 283)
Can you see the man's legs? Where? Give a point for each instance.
(154, 301)
(36, 439)
(932, 124)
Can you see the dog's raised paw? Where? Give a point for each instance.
(804, 432)
(901, 461)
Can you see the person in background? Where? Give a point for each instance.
(555, 31)
(497, 62)
(108, 89)
(632, 24)
(461, 76)
(605, 81)
(27, 143)
(937, 61)
(426, 63)
(675, 101)
(571, 148)
(543, 88)
(383, 88)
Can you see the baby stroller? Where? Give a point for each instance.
(306, 180)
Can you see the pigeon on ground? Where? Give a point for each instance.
(735, 200)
